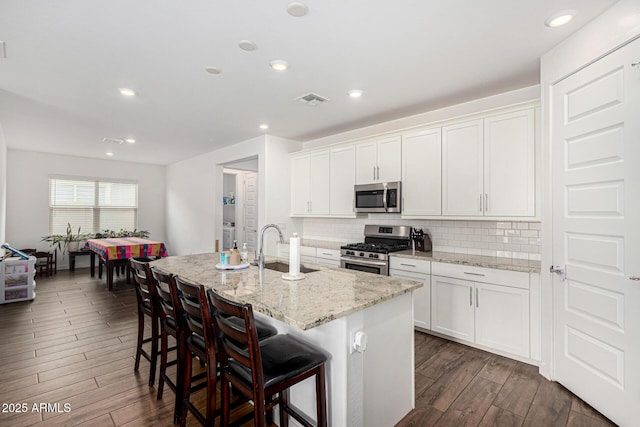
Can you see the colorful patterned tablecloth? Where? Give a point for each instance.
(125, 248)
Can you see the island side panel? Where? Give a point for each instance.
(389, 362)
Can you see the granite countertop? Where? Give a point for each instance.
(319, 298)
(499, 263)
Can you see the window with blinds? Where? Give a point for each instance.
(92, 205)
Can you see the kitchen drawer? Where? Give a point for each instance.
(307, 251)
(514, 279)
(331, 254)
(410, 264)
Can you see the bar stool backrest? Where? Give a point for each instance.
(238, 342)
(145, 286)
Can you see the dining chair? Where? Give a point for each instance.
(263, 371)
(200, 343)
(147, 307)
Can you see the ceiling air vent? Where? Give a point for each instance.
(113, 141)
(312, 99)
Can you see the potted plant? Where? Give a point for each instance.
(144, 234)
(68, 242)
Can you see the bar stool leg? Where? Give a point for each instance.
(154, 350)
(186, 387)
(321, 397)
(140, 340)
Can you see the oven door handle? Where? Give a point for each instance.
(364, 261)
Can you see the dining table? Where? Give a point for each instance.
(117, 251)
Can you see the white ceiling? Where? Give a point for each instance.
(65, 60)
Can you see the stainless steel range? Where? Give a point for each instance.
(372, 256)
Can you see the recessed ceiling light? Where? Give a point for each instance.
(213, 70)
(560, 18)
(264, 126)
(127, 92)
(297, 9)
(247, 45)
(130, 141)
(109, 153)
(355, 93)
(279, 65)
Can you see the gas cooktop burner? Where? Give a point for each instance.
(381, 248)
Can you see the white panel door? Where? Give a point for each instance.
(502, 318)
(366, 162)
(343, 177)
(319, 174)
(389, 159)
(250, 211)
(422, 173)
(462, 189)
(509, 164)
(452, 311)
(595, 137)
(300, 188)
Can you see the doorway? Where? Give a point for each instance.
(240, 204)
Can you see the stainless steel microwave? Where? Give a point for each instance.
(380, 197)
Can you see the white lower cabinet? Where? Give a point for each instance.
(452, 308)
(493, 315)
(415, 270)
(502, 318)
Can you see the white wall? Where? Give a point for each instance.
(28, 194)
(3, 188)
(195, 189)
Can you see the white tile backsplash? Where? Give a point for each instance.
(519, 240)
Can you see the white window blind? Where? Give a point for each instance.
(92, 205)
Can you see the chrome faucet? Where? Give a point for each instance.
(259, 261)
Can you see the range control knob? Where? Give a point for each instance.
(361, 253)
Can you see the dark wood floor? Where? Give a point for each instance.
(74, 345)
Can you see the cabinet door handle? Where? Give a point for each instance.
(486, 202)
(374, 173)
(477, 300)
(480, 202)
(378, 172)
(474, 274)
(471, 297)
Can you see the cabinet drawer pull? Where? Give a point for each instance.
(408, 265)
(474, 274)
(324, 253)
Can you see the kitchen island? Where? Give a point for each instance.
(372, 386)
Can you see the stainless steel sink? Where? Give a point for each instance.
(284, 267)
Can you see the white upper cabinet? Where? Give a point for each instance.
(509, 162)
(462, 170)
(343, 178)
(310, 184)
(422, 173)
(488, 166)
(379, 160)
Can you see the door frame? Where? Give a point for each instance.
(603, 35)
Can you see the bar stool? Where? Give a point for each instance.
(147, 307)
(200, 342)
(170, 325)
(263, 371)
